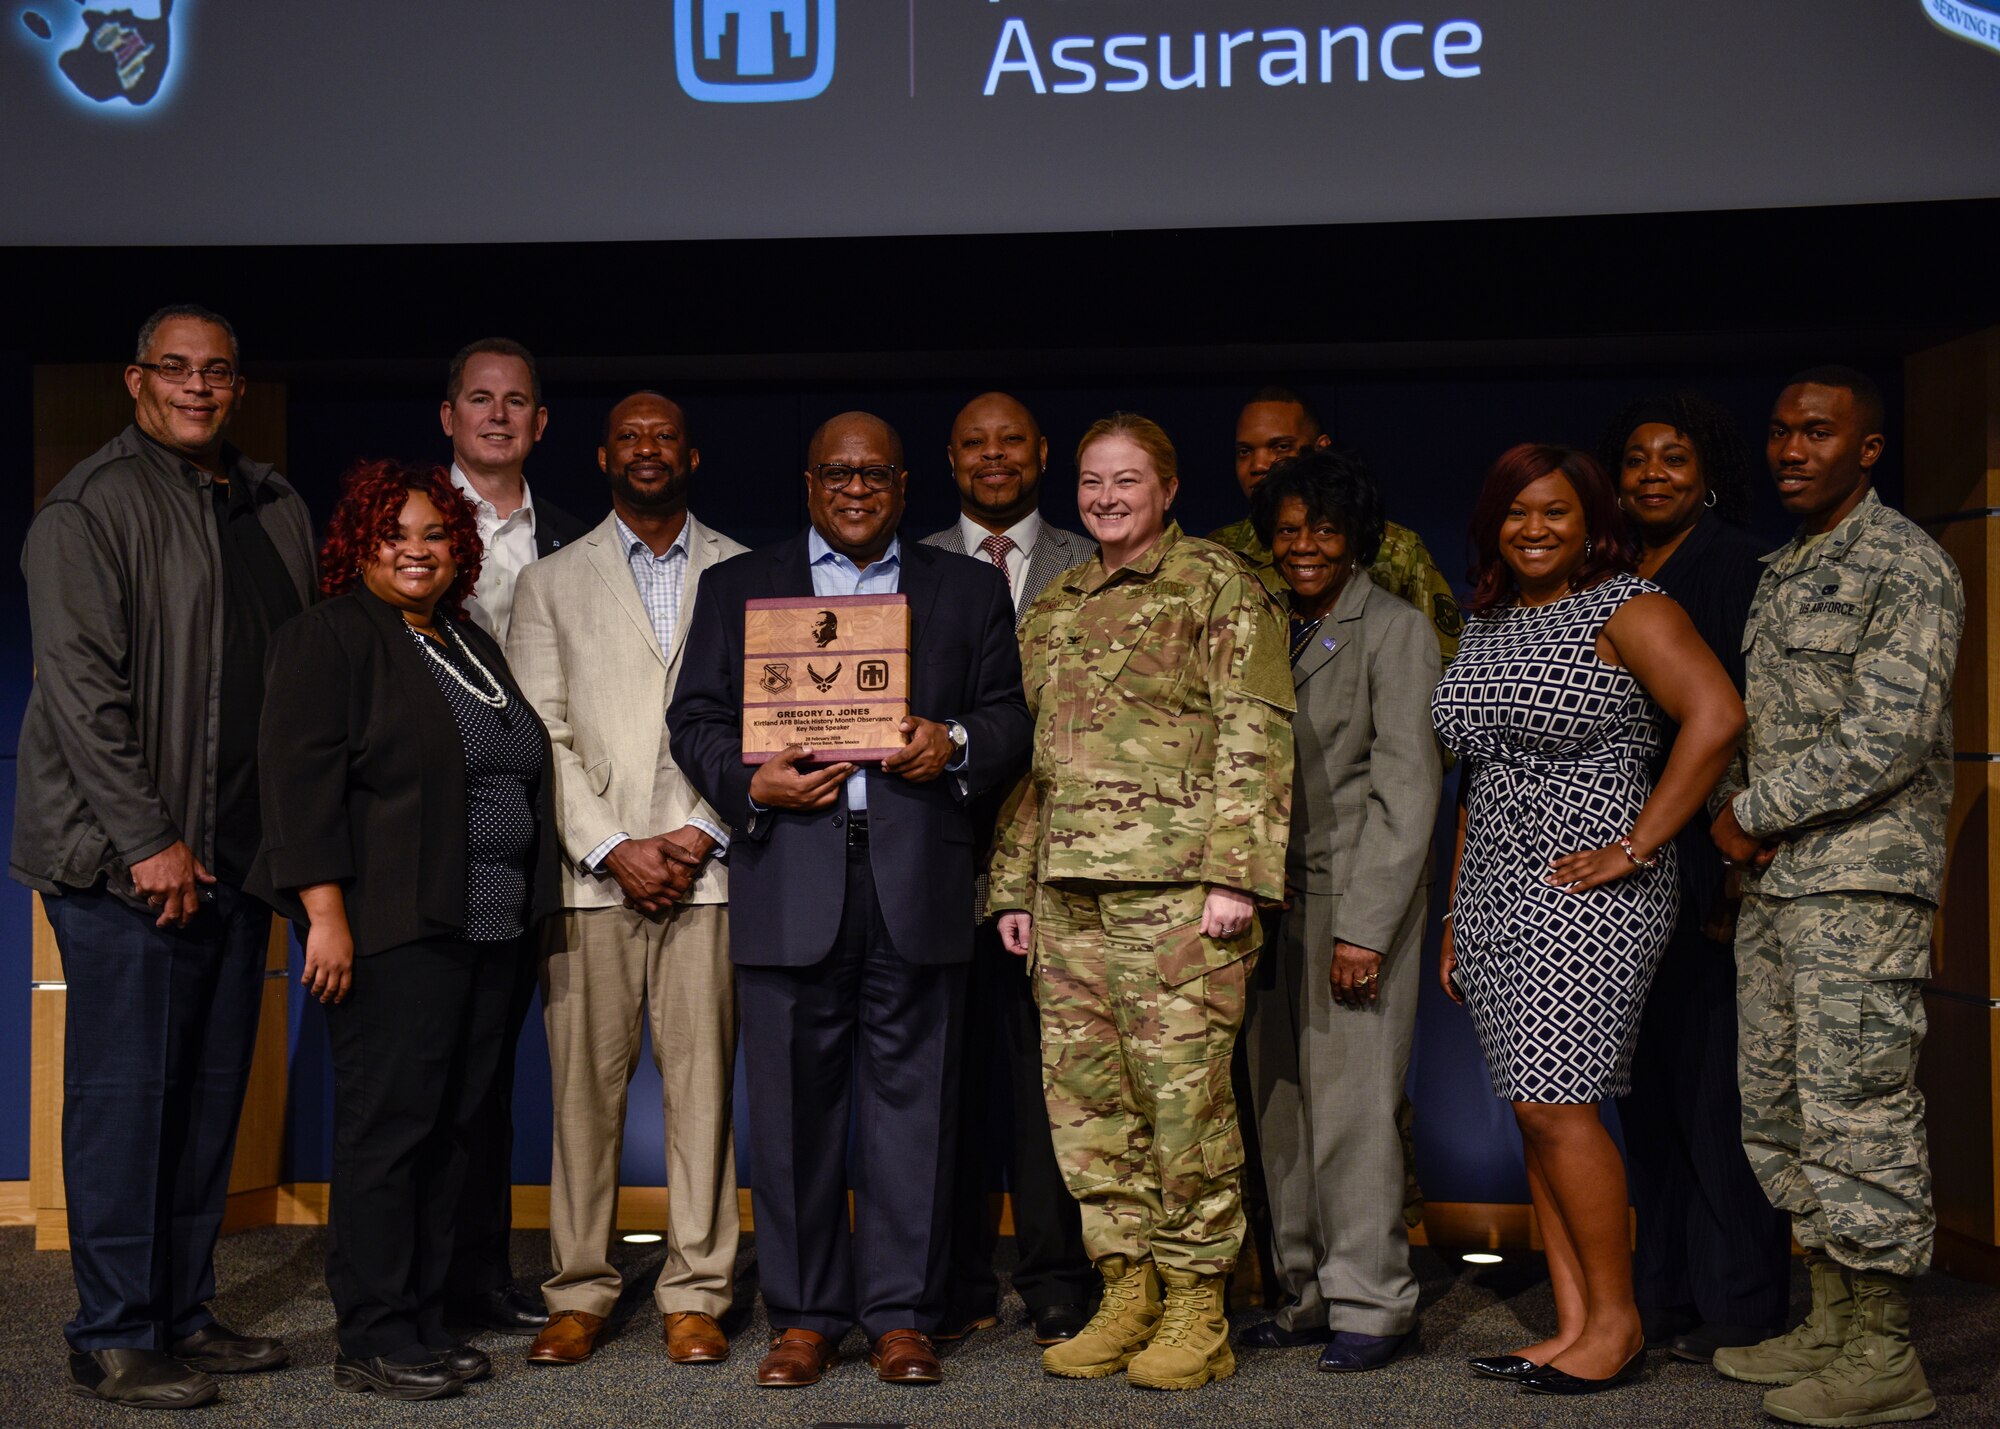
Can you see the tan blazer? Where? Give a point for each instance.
(1367, 769)
(583, 651)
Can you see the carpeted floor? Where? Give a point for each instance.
(271, 1284)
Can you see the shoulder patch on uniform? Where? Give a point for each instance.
(1267, 665)
(1446, 615)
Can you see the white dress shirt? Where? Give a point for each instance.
(508, 547)
(1023, 533)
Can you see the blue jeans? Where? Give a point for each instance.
(160, 1029)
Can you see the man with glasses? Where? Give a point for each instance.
(851, 914)
(156, 571)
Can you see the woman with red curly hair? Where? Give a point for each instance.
(1563, 886)
(408, 824)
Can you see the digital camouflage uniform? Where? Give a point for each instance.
(1402, 567)
(1162, 767)
(1847, 761)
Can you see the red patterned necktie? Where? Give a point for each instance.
(996, 548)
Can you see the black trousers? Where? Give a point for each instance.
(1707, 1236)
(415, 1046)
(1001, 1104)
(483, 1231)
(159, 1031)
(866, 1038)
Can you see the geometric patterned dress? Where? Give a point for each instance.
(1560, 748)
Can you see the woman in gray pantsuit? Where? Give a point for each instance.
(1332, 1019)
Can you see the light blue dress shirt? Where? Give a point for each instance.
(835, 574)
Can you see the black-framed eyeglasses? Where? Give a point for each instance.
(837, 478)
(216, 374)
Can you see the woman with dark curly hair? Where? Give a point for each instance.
(1564, 888)
(1713, 1261)
(408, 825)
(1331, 1028)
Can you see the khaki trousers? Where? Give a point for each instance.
(616, 967)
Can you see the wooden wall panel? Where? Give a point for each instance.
(1952, 467)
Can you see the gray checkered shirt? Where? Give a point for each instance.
(659, 579)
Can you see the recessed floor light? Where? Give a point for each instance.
(1475, 1257)
(653, 1237)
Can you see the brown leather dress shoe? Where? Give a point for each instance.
(905, 1357)
(797, 1358)
(695, 1338)
(568, 1338)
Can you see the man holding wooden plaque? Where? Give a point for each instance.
(842, 698)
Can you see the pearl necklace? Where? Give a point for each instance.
(497, 700)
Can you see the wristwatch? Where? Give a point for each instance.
(956, 732)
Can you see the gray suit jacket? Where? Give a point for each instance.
(583, 651)
(1368, 771)
(1055, 552)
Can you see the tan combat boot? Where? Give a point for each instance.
(1119, 1330)
(1809, 1348)
(1191, 1346)
(1877, 1379)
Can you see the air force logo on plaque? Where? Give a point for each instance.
(777, 677)
(753, 51)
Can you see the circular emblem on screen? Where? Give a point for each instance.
(107, 55)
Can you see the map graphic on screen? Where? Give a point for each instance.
(115, 54)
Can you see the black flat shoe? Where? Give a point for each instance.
(1056, 1323)
(467, 1363)
(507, 1311)
(1507, 1367)
(1351, 1353)
(1270, 1335)
(139, 1379)
(1550, 1380)
(218, 1349)
(395, 1381)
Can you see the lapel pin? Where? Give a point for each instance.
(1330, 643)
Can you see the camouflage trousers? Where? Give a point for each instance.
(1829, 998)
(1137, 1072)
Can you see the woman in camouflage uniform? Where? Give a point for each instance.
(1129, 866)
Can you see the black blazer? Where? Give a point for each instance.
(363, 776)
(555, 528)
(787, 871)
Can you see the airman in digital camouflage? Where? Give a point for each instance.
(1130, 863)
(1836, 811)
(1277, 423)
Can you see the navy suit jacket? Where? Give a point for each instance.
(787, 871)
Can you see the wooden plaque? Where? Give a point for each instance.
(830, 672)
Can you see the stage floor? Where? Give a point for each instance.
(272, 1284)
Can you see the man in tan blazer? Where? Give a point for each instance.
(595, 644)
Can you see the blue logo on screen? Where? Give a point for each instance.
(107, 55)
(753, 51)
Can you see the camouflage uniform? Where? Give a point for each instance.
(1402, 567)
(1162, 768)
(1847, 760)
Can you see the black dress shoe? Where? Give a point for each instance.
(220, 1350)
(507, 1311)
(1349, 1353)
(1698, 1346)
(957, 1324)
(464, 1361)
(1662, 1322)
(391, 1380)
(1270, 1335)
(1509, 1367)
(139, 1379)
(1056, 1323)
(1550, 1380)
